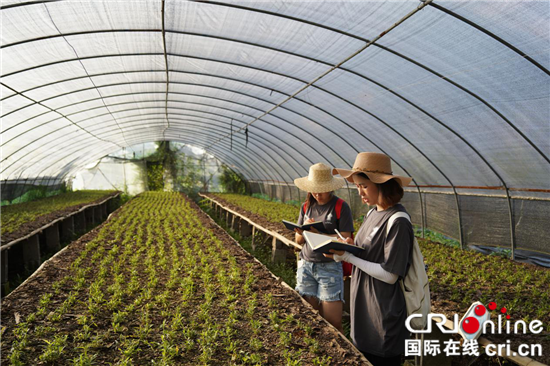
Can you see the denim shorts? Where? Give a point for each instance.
(325, 281)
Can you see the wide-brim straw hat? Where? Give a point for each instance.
(376, 166)
(319, 180)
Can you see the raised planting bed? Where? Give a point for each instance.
(457, 277)
(39, 229)
(268, 214)
(161, 283)
(21, 219)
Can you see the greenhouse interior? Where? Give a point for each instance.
(162, 161)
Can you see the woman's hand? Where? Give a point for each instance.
(298, 236)
(333, 251)
(339, 255)
(347, 241)
(309, 221)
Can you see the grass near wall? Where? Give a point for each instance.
(271, 210)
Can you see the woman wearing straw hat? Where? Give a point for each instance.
(377, 303)
(320, 279)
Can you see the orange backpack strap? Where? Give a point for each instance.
(305, 207)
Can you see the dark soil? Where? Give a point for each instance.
(24, 301)
(40, 221)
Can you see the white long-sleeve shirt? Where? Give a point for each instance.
(373, 269)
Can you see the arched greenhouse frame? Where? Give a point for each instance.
(224, 104)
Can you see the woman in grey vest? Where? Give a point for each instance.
(377, 303)
(319, 279)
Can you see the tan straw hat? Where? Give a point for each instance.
(319, 180)
(375, 166)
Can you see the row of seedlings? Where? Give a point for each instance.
(156, 286)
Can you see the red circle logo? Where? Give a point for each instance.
(492, 305)
(470, 325)
(480, 310)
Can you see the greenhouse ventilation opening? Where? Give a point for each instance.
(457, 93)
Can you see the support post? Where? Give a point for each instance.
(66, 228)
(51, 234)
(104, 211)
(112, 204)
(31, 252)
(89, 212)
(14, 256)
(457, 199)
(79, 222)
(422, 212)
(245, 229)
(4, 272)
(235, 223)
(278, 251)
(253, 238)
(98, 214)
(512, 225)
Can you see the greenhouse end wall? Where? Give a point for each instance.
(485, 220)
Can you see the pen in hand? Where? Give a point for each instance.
(339, 235)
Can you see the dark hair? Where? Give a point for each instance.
(389, 193)
(310, 200)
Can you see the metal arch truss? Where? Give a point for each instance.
(416, 63)
(263, 100)
(27, 4)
